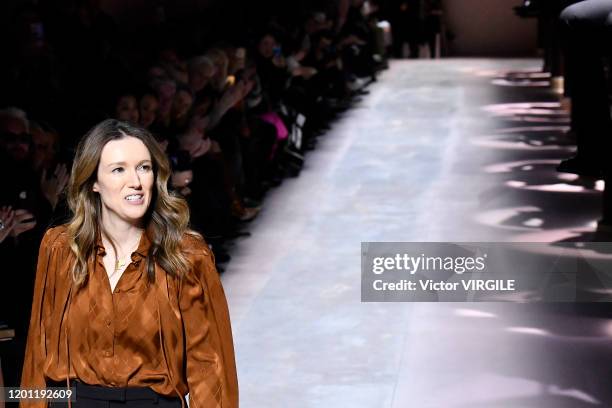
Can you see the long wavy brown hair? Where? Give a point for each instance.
(165, 221)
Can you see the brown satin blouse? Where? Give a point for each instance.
(173, 335)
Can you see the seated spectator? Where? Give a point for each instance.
(173, 65)
(147, 108)
(271, 69)
(47, 163)
(219, 80)
(16, 149)
(127, 109)
(181, 106)
(201, 70)
(165, 89)
(25, 214)
(588, 23)
(46, 146)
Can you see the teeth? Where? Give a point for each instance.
(133, 197)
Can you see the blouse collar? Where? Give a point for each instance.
(142, 250)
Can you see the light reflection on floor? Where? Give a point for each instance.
(524, 83)
(531, 129)
(526, 109)
(556, 188)
(523, 165)
(523, 143)
(398, 168)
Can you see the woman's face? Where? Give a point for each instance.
(165, 91)
(148, 110)
(182, 103)
(200, 76)
(14, 138)
(127, 109)
(221, 65)
(44, 148)
(266, 46)
(237, 60)
(125, 180)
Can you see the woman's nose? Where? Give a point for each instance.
(134, 179)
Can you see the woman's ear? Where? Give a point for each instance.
(95, 188)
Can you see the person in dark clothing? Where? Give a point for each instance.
(406, 18)
(17, 251)
(432, 24)
(586, 29)
(272, 69)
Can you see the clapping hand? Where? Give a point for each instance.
(53, 187)
(7, 221)
(24, 221)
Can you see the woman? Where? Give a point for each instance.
(127, 302)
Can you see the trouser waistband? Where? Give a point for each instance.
(104, 393)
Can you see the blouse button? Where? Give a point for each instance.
(108, 353)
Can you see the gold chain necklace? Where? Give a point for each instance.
(120, 263)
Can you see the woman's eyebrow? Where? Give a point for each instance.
(116, 163)
(122, 163)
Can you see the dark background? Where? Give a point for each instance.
(480, 27)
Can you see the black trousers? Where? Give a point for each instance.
(586, 29)
(91, 396)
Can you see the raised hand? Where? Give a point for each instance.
(7, 221)
(53, 187)
(24, 221)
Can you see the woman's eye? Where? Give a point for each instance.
(145, 167)
(117, 170)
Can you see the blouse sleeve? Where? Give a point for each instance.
(35, 353)
(211, 366)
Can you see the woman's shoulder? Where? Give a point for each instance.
(56, 236)
(201, 258)
(193, 242)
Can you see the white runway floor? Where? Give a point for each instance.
(418, 159)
